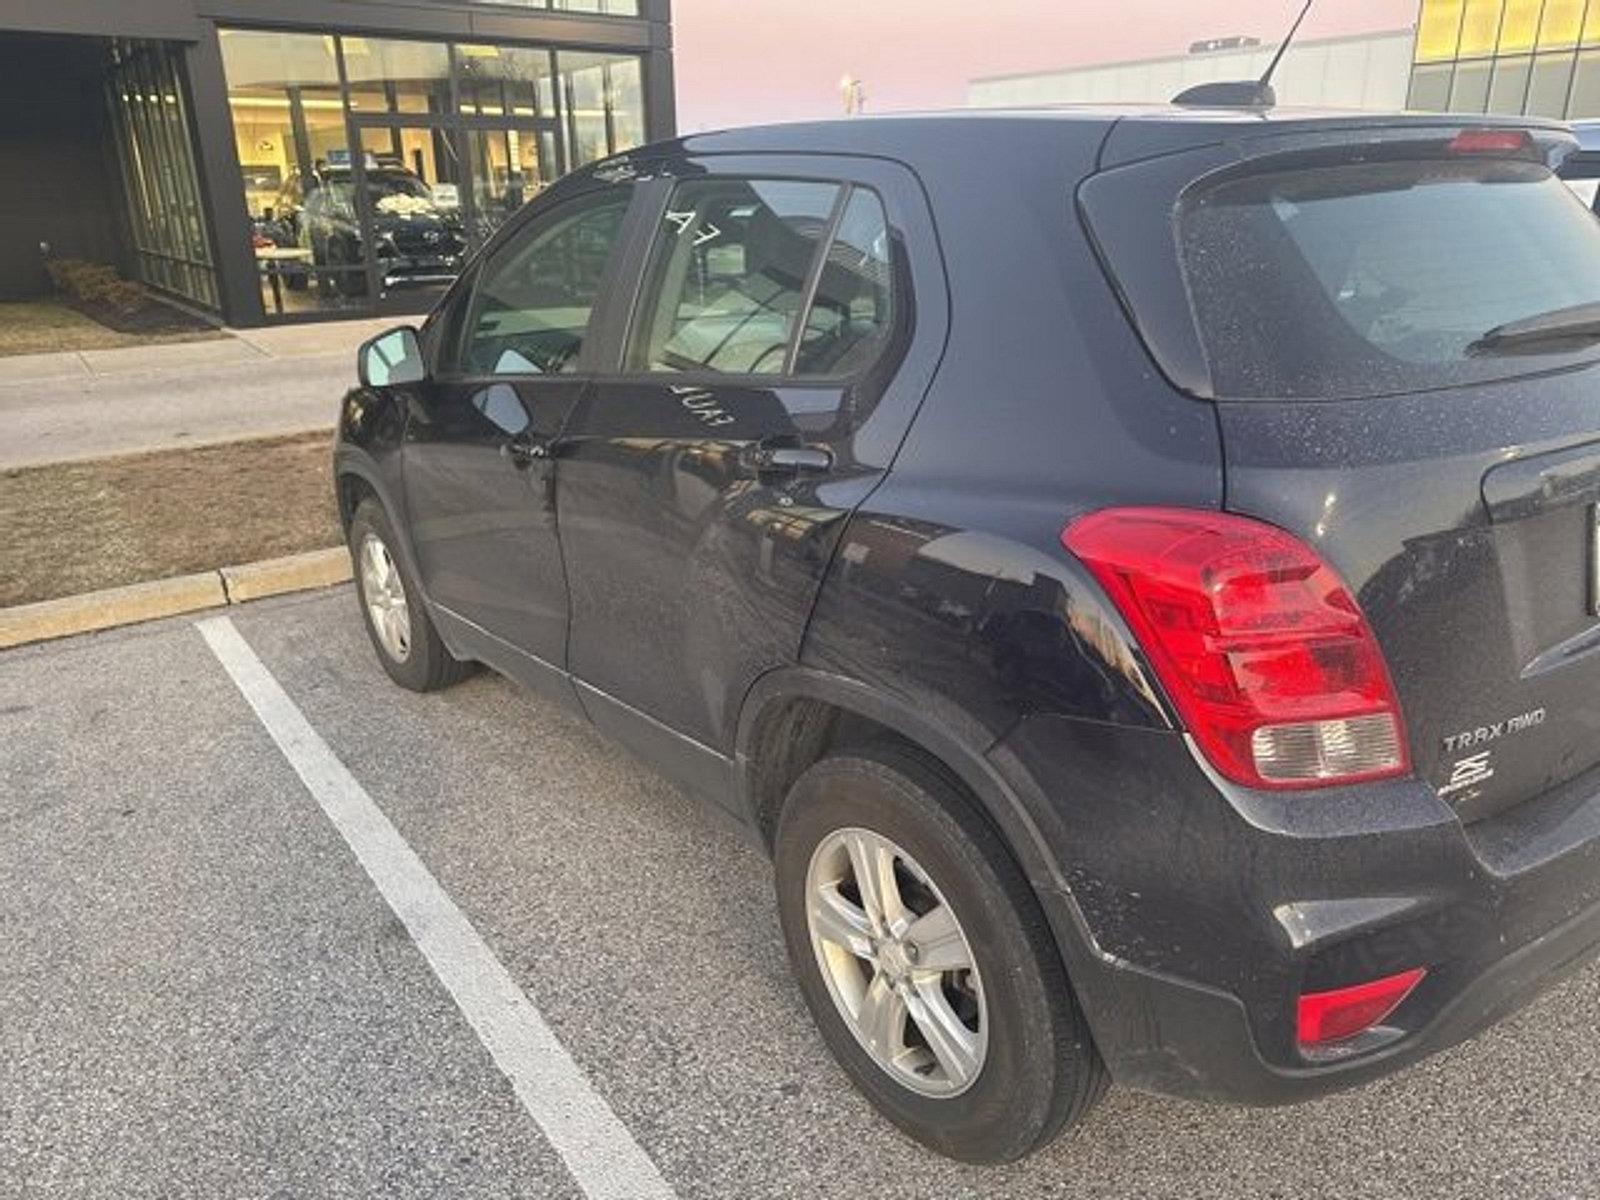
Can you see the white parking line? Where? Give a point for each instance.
(603, 1158)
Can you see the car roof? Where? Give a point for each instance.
(1141, 129)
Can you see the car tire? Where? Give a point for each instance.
(1026, 1069)
(348, 278)
(392, 609)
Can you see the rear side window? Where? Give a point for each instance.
(765, 277)
(852, 313)
(1377, 278)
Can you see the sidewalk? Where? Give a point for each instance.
(253, 383)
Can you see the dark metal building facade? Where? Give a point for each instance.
(294, 159)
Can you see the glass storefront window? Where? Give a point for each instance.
(448, 141)
(169, 233)
(283, 90)
(610, 8)
(510, 167)
(506, 81)
(289, 128)
(414, 179)
(397, 77)
(627, 105)
(603, 103)
(273, 62)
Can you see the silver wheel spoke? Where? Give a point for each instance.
(940, 946)
(834, 919)
(882, 1018)
(873, 864)
(372, 565)
(952, 1043)
(399, 628)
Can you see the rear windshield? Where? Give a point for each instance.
(1380, 278)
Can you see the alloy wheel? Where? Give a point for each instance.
(897, 963)
(385, 597)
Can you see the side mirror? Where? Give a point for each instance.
(390, 358)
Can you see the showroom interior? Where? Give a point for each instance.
(267, 161)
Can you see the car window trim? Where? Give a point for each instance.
(653, 198)
(584, 367)
(819, 261)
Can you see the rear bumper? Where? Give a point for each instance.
(1173, 1036)
(1192, 915)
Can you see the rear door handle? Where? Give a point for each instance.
(766, 460)
(525, 449)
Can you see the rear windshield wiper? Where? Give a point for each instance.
(1579, 323)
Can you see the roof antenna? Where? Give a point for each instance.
(1243, 93)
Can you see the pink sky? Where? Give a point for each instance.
(746, 61)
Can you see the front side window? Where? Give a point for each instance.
(532, 307)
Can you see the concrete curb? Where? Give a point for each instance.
(137, 602)
(295, 573)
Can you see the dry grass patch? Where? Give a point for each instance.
(78, 527)
(43, 327)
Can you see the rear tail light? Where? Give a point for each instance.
(1259, 645)
(1333, 1016)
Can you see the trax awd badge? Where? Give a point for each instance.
(1473, 770)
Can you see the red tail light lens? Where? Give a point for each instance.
(1490, 141)
(1259, 645)
(1332, 1016)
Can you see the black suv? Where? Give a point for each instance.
(1137, 571)
(419, 240)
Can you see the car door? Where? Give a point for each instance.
(479, 481)
(773, 361)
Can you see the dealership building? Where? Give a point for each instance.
(281, 160)
(1471, 56)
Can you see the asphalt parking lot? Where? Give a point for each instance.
(204, 993)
